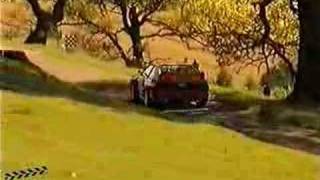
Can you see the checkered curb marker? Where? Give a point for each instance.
(27, 173)
(70, 42)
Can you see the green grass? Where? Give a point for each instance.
(82, 61)
(236, 96)
(289, 115)
(109, 143)
(52, 123)
(292, 115)
(75, 65)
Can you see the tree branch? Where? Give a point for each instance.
(113, 37)
(58, 11)
(35, 6)
(152, 7)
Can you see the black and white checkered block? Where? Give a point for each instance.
(28, 173)
(70, 42)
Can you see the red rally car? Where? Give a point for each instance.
(170, 84)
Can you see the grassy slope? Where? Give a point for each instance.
(106, 143)
(73, 67)
(289, 116)
(128, 142)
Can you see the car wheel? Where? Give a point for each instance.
(202, 102)
(134, 96)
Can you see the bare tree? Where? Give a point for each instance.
(134, 14)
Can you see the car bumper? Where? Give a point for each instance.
(167, 94)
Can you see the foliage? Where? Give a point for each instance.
(224, 78)
(245, 32)
(96, 46)
(15, 20)
(77, 10)
(279, 80)
(280, 92)
(251, 83)
(237, 97)
(100, 16)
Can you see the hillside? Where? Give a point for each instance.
(66, 126)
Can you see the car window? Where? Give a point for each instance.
(181, 70)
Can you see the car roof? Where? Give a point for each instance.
(172, 65)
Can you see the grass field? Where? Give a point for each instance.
(72, 67)
(111, 143)
(53, 125)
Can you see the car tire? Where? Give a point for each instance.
(134, 96)
(202, 102)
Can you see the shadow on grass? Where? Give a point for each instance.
(103, 85)
(23, 79)
(273, 121)
(19, 77)
(267, 123)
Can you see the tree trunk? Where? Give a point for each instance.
(45, 21)
(307, 86)
(136, 45)
(135, 36)
(40, 33)
(130, 20)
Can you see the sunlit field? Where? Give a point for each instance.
(113, 139)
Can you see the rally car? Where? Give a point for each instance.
(167, 84)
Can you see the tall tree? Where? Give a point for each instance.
(307, 86)
(134, 15)
(263, 32)
(104, 15)
(46, 21)
(245, 32)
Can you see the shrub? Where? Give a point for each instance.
(279, 80)
(9, 32)
(224, 78)
(280, 92)
(98, 46)
(251, 83)
(15, 19)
